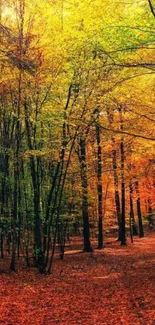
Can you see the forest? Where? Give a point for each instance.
(77, 149)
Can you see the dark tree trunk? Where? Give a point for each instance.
(39, 256)
(150, 211)
(17, 138)
(38, 249)
(117, 198)
(56, 179)
(123, 230)
(84, 183)
(2, 213)
(14, 218)
(16, 186)
(19, 221)
(140, 222)
(53, 249)
(2, 245)
(115, 174)
(99, 187)
(132, 219)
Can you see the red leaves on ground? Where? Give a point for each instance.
(114, 286)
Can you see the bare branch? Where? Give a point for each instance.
(128, 133)
(151, 8)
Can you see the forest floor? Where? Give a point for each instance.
(113, 286)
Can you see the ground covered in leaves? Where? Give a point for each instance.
(113, 286)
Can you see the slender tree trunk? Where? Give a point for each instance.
(131, 213)
(37, 232)
(19, 220)
(2, 244)
(115, 174)
(84, 183)
(57, 177)
(133, 223)
(38, 249)
(149, 206)
(17, 135)
(117, 197)
(16, 182)
(140, 222)
(123, 229)
(2, 213)
(53, 249)
(14, 224)
(99, 187)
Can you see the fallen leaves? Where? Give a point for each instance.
(114, 286)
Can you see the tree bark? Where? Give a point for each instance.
(38, 249)
(84, 183)
(140, 222)
(117, 197)
(133, 223)
(99, 187)
(123, 229)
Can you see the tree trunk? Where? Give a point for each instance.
(140, 222)
(133, 223)
(123, 230)
(14, 217)
(38, 249)
(115, 175)
(17, 135)
(117, 198)
(99, 187)
(2, 213)
(84, 183)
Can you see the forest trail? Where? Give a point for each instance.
(114, 286)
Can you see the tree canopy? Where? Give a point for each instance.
(77, 122)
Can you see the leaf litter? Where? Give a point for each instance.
(113, 286)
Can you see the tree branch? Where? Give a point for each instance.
(151, 8)
(128, 133)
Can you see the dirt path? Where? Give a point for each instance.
(115, 286)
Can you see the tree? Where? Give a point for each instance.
(84, 184)
(141, 231)
(51, 83)
(99, 181)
